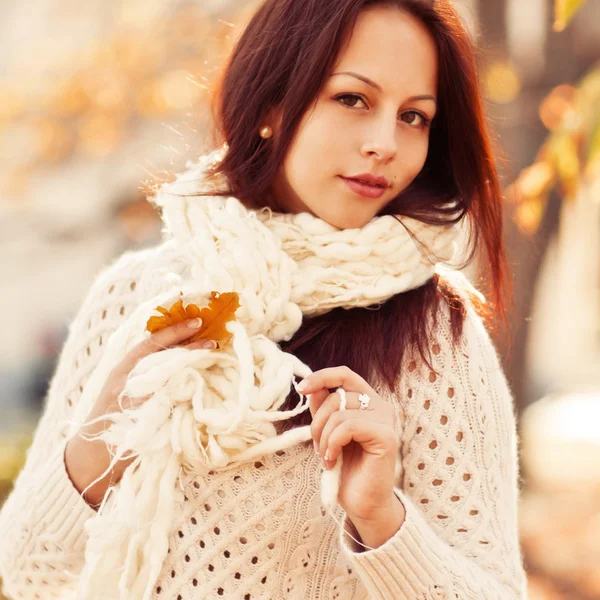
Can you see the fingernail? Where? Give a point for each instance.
(302, 385)
(327, 455)
(194, 323)
(209, 345)
(316, 448)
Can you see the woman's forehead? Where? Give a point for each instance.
(391, 47)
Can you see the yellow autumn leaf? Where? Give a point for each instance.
(528, 214)
(564, 11)
(593, 159)
(220, 310)
(536, 180)
(563, 152)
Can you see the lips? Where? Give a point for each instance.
(364, 189)
(366, 182)
(369, 179)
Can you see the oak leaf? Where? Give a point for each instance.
(220, 310)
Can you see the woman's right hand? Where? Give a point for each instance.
(86, 460)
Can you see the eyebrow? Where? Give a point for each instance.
(378, 87)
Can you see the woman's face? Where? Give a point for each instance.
(356, 127)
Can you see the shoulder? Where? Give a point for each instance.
(462, 308)
(464, 386)
(120, 281)
(112, 295)
(114, 277)
(460, 352)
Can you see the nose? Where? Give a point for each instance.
(381, 140)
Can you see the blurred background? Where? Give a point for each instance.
(100, 100)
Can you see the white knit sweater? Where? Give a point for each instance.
(259, 530)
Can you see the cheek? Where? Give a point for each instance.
(311, 151)
(317, 138)
(413, 156)
(319, 132)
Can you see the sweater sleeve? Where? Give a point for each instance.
(42, 538)
(459, 481)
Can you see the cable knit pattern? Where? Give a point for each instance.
(459, 479)
(259, 530)
(215, 410)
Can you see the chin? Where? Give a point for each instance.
(349, 221)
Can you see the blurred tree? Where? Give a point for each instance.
(567, 159)
(570, 156)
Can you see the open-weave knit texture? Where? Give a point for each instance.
(256, 528)
(259, 530)
(210, 410)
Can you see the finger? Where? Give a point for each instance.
(316, 399)
(161, 340)
(322, 415)
(335, 377)
(202, 345)
(329, 415)
(333, 420)
(374, 438)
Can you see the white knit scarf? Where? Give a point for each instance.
(215, 409)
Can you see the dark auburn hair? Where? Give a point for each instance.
(281, 61)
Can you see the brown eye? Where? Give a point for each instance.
(413, 117)
(353, 98)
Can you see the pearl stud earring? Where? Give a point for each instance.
(266, 132)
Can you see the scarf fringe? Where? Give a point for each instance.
(200, 409)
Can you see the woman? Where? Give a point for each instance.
(335, 115)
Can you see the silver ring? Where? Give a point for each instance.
(364, 401)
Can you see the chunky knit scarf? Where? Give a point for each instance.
(216, 409)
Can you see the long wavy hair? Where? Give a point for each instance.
(281, 61)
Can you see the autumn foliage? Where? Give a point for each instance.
(220, 310)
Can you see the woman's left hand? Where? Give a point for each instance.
(367, 438)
